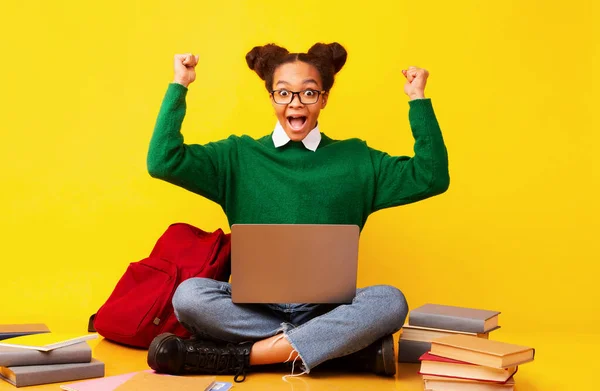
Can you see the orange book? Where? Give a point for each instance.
(481, 351)
(447, 367)
(428, 334)
(149, 381)
(437, 383)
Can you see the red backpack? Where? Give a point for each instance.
(139, 307)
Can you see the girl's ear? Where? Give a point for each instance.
(324, 99)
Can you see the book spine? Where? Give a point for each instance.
(34, 378)
(20, 357)
(410, 351)
(446, 322)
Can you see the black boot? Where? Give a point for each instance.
(378, 358)
(173, 355)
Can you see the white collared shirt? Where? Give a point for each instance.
(311, 141)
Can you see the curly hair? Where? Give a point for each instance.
(328, 59)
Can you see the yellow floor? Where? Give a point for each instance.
(560, 362)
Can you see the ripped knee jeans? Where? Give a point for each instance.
(317, 332)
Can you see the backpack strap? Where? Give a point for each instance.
(91, 327)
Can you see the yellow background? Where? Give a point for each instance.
(513, 84)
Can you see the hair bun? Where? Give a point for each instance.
(333, 52)
(262, 58)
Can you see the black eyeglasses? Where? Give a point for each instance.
(307, 97)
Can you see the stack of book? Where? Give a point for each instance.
(463, 363)
(432, 321)
(46, 357)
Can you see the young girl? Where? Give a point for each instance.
(294, 175)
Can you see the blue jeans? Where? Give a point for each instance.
(317, 332)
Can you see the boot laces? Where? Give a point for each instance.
(221, 360)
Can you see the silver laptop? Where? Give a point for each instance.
(293, 263)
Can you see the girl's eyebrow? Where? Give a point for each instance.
(306, 81)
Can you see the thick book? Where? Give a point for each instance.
(18, 330)
(454, 318)
(32, 375)
(110, 383)
(481, 351)
(410, 351)
(437, 383)
(46, 341)
(80, 352)
(428, 334)
(446, 367)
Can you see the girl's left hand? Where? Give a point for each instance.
(416, 78)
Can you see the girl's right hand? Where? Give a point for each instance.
(184, 68)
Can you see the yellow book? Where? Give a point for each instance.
(46, 341)
(148, 381)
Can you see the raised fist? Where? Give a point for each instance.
(416, 78)
(184, 67)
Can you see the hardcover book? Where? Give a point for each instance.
(427, 334)
(446, 367)
(17, 330)
(481, 351)
(32, 375)
(410, 351)
(454, 318)
(80, 352)
(437, 383)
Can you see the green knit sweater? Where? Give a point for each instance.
(342, 182)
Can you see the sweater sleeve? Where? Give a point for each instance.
(402, 179)
(197, 168)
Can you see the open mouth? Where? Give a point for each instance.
(297, 122)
